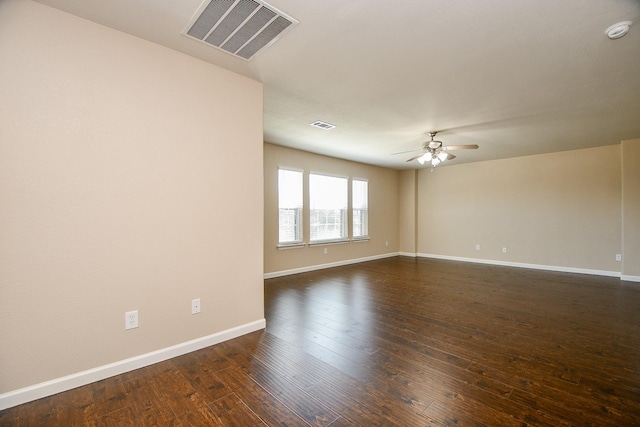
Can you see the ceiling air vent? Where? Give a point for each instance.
(240, 27)
(322, 125)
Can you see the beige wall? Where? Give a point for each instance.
(559, 209)
(631, 208)
(119, 192)
(383, 211)
(407, 193)
(119, 182)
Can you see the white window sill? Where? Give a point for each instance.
(329, 242)
(322, 243)
(360, 239)
(292, 245)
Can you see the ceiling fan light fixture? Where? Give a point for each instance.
(618, 30)
(436, 153)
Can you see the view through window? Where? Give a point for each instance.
(290, 206)
(328, 207)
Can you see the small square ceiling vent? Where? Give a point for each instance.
(240, 27)
(322, 125)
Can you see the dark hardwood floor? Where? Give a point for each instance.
(394, 342)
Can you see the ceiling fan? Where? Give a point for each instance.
(436, 153)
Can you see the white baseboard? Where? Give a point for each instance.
(409, 254)
(524, 265)
(606, 273)
(327, 265)
(58, 385)
(630, 278)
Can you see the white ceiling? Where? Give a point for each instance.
(517, 77)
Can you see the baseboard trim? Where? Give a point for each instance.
(562, 269)
(327, 265)
(409, 254)
(58, 385)
(524, 265)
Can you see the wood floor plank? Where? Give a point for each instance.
(577, 399)
(199, 369)
(447, 415)
(287, 392)
(454, 391)
(148, 407)
(340, 392)
(75, 407)
(303, 404)
(184, 401)
(136, 416)
(328, 355)
(395, 342)
(258, 400)
(418, 364)
(110, 395)
(234, 413)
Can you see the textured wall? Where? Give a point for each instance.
(631, 208)
(407, 193)
(559, 209)
(121, 189)
(383, 210)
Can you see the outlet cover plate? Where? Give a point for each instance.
(195, 306)
(131, 319)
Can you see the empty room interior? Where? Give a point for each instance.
(237, 212)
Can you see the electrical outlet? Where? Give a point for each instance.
(504, 249)
(326, 250)
(195, 306)
(131, 319)
(477, 246)
(618, 257)
(386, 243)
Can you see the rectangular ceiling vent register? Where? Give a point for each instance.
(322, 125)
(239, 27)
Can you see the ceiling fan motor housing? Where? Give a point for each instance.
(431, 145)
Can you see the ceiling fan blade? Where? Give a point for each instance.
(450, 156)
(415, 157)
(403, 152)
(461, 147)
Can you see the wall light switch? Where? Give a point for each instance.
(618, 257)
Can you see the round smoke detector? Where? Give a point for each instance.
(618, 30)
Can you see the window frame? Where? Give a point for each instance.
(300, 212)
(365, 221)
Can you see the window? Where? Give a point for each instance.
(290, 206)
(328, 208)
(360, 206)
